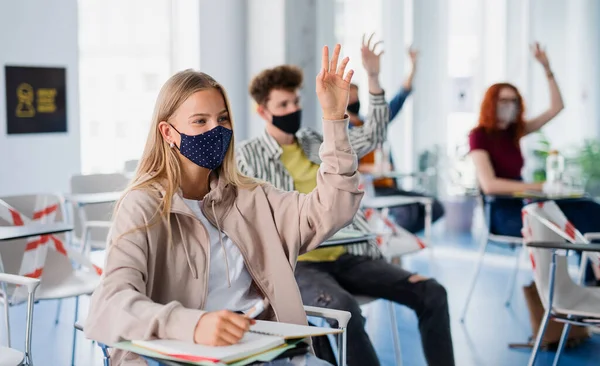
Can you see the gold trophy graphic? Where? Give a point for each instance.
(25, 108)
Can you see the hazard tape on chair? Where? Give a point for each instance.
(555, 220)
(393, 240)
(36, 249)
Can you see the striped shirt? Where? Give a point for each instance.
(260, 158)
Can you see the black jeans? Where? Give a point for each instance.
(410, 217)
(333, 284)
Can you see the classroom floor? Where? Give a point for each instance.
(481, 341)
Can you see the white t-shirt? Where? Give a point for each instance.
(241, 296)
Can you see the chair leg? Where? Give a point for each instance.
(58, 308)
(75, 332)
(4, 299)
(482, 248)
(395, 335)
(106, 355)
(342, 347)
(561, 345)
(540, 336)
(515, 275)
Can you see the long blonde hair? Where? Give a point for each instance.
(159, 162)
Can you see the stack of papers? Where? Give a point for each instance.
(264, 342)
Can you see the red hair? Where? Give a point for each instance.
(488, 119)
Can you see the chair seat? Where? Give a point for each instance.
(395, 250)
(11, 357)
(583, 302)
(97, 257)
(78, 283)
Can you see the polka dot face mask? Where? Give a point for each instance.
(206, 149)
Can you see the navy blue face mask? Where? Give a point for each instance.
(207, 149)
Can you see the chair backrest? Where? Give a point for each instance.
(130, 166)
(96, 183)
(546, 222)
(32, 257)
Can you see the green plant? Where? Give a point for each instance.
(588, 159)
(540, 153)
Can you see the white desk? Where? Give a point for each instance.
(393, 201)
(30, 230)
(385, 202)
(347, 237)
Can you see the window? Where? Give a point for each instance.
(150, 82)
(353, 18)
(125, 56)
(464, 53)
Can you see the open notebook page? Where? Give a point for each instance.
(290, 331)
(250, 344)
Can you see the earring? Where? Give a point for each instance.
(172, 145)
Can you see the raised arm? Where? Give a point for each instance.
(556, 101)
(373, 132)
(490, 184)
(398, 100)
(305, 220)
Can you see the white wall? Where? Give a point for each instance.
(571, 33)
(284, 32)
(431, 101)
(266, 47)
(39, 33)
(223, 53)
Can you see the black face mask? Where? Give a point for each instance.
(354, 108)
(289, 123)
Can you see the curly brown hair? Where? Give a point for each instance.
(286, 77)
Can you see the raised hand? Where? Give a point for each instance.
(413, 54)
(333, 88)
(540, 55)
(370, 58)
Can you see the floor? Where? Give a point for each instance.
(483, 339)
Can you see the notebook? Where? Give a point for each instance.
(263, 336)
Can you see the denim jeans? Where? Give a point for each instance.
(583, 213)
(334, 284)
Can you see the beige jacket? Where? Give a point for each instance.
(151, 289)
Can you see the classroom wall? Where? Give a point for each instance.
(39, 33)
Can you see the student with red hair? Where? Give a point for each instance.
(495, 150)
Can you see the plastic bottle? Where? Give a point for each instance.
(555, 167)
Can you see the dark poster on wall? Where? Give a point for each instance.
(36, 100)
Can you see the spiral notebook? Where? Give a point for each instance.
(263, 336)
